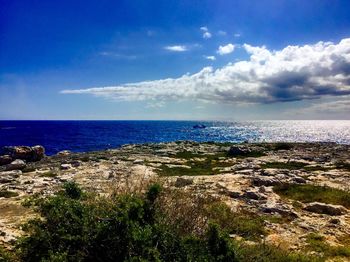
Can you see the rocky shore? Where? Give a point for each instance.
(297, 189)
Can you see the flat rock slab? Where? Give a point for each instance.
(328, 209)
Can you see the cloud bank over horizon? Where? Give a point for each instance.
(294, 73)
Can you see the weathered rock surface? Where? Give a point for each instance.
(15, 165)
(328, 209)
(4, 160)
(34, 153)
(181, 182)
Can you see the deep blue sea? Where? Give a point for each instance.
(81, 136)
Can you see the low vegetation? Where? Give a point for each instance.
(317, 243)
(245, 224)
(8, 194)
(49, 174)
(292, 165)
(198, 165)
(314, 193)
(158, 225)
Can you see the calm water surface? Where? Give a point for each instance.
(81, 136)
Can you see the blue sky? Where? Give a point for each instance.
(220, 60)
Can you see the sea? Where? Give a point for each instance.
(84, 136)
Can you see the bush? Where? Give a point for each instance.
(159, 225)
(75, 226)
(6, 256)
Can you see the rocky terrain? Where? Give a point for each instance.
(297, 189)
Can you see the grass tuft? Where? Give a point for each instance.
(8, 194)
(313, 193)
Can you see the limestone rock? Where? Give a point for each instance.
(64, 153)
(328, 209)
(299, 180)
(181, 182)
(254, 195)
(238, 151)
(263, 181)
(27, 153)
(65, 166)
(18, 164)
(4, 160)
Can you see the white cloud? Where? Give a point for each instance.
(222, 33)
(237, 35)
(227, 49)
(117, 55)
(176, 48)
(268, 76)
(210, 57)
(206, 33)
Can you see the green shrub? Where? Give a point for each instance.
(75, 226)
(6, 256)
(78, 226)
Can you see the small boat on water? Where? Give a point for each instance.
(199, 126)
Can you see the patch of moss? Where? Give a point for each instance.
(204, 167)
(8, 194)
(276, 219)
(28, 169)
(313, 193)
(48, 174)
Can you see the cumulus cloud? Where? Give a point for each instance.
(226, 49)
(222, 33)
(210, 57)
(268, 76)
(206, 33)
(176, 48)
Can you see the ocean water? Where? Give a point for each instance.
(82, 136)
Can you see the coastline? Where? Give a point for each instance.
(248, 176)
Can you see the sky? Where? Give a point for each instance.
(174, 60)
